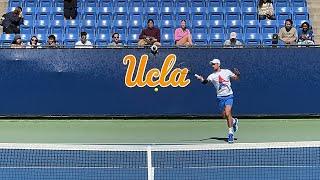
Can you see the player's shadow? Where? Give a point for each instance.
(217, 138)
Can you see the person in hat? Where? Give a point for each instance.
(17, 42)
(221, 79)
(233, 41)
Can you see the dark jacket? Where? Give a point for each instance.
(12, 19)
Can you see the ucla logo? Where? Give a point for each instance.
(167, 76)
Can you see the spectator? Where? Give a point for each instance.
(233, 42)
(266, 10)
(116, 42)
(288, 34)
(52, 43)
(34, 42)
(70, 9)
(17, 42)
(12, 20)
(182, 35)
(305, 34)
(83, 42)
(150, 35)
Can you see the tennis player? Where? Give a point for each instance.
(220, 78)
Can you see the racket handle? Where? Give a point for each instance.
(197, 76)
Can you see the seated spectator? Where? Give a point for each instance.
(150, 35)
(266, 10)
(17, 42)
(288, 34)
(116, 42)
(182, 35)
(83, 42)
(12, 20)
(305, 34)
(70, 9)
(52, 43)
(33, 43)
(233, 42)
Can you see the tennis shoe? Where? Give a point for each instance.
(235, 124)
(230, 138)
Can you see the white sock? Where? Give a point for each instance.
(230, 130)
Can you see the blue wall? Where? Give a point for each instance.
(91, 82)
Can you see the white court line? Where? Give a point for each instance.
(209, 167)
(146, 120)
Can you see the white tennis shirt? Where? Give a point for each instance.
(221, 81)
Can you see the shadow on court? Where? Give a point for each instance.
(212, 138)
(217, 138)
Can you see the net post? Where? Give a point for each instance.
(149, 160)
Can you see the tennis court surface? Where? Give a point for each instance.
(159, 149)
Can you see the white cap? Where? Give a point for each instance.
(233, 35)
(215, 61)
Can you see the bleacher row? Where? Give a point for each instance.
(210, 21)
(155, 3)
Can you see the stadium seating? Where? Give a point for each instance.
(133, 39)
(217, 39)
(217, 26)
(70, 40)
(102, 40)
(88, 26)
(267, 38)
(249, 13)
(105, 13)
(216, 13)
(57, 27)
(27, 27)
(167, 13)
(200, 39)
(45, 3)
(199, 26)
(6, 39)
(199, 13)
(251, 26)
(210, 21)
(252, 39)
(42, 27)
(269, 26)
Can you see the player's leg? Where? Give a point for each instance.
(229, 119)
(222, 107)
(228, 115)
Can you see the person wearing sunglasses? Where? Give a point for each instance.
(115, 42)
(33, 43)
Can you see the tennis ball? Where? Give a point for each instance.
(156, 89)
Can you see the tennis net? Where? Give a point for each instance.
(290, 160)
